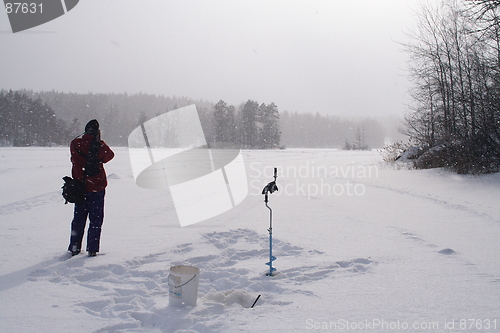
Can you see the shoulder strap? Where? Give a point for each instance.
(84, 156)
(78, 151)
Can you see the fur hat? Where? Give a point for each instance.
(92, 127)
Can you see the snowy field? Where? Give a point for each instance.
(360, 247)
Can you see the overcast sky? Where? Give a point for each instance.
(333, 56)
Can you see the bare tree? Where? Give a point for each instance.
(454, 70)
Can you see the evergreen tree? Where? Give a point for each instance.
(27, 122)
(269, 132)
(224, 124)
(249, 117)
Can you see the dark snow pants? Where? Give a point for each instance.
(93, 207)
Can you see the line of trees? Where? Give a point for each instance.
(455, 70)
(250, 126)
(28, 122)
(54, 118)
(118, 114)
(328, 131)
(257, 125)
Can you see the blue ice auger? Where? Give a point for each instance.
(271, 187)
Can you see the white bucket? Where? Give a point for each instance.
(183, 285)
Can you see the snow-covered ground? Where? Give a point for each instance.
(360, 246)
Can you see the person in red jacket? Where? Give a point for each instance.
(88, 154)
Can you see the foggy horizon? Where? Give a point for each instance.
(334, 57)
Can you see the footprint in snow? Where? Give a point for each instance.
(447, 251)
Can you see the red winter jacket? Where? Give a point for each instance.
(97, 182)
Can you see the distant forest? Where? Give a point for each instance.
(30, 118)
